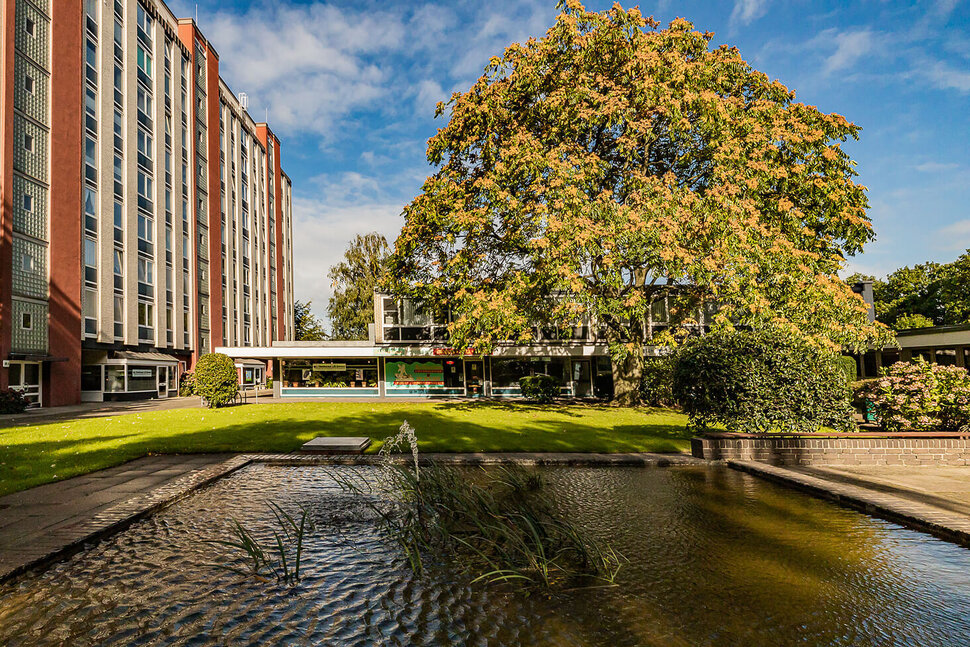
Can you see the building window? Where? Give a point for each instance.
(26, 321)
(28, 203)
(146, 271)
(26, 263)
(90, 260)
(145, 185)
(29, 83)
(144, 61)
(29, 26)
(146, 228)
(91, 152)
(90, 307)
(28, 142)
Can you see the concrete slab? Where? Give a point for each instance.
(336, 445)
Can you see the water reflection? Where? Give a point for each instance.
(716, 558)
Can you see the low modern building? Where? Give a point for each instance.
(947, 345)
(145, 215)
(408, 356)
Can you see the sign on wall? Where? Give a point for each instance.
(411, 374)
(329, 366)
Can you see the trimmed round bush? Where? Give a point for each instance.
(216, 379)
(539, 388)
(919, 396)
(13, 401)
(761, 381)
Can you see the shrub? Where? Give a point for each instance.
(269, 383)
(539, 388)
(656, 382)
(920, 396)
(187, 384)
(760, 381)
(13, 401)
(849, 367)
(216, 379)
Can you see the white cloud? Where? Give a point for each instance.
(850, 46)
(945, 77)
(747, 11)
(956, 235)
(936, 167)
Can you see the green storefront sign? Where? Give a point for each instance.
(413, 375)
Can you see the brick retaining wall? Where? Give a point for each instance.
(836, 449)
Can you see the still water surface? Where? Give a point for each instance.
(715, 558)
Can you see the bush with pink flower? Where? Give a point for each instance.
(920, 396)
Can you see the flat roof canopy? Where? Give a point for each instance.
(358, 351)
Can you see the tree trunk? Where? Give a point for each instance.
(627, 374)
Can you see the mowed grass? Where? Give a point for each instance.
(35, 454)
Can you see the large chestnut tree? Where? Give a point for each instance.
(612, 163)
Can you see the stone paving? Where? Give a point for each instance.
(52, 520)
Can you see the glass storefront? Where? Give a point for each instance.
(329, 373)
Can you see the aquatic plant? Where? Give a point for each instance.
(498, 525)
(282, 558)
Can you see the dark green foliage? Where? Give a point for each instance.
(306, 326)
(13, 401)
(539, 388)
(216, 380)
(760, 381)
(923, 295)
(187, 384)
(498, 526)
(849, 367)
(354, 279)
(656, 382)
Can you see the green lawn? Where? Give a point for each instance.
(31, 455)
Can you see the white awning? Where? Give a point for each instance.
(145, 358)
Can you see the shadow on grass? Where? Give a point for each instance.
(55, 455)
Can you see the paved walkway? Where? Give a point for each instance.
(52, 519)
(95, 410)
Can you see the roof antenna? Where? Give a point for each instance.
(196, 13)
(267, 116)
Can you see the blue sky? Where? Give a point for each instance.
(350, 87)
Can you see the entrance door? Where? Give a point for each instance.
(26, 377)
(162, 382)
(582, 378)
(474, 378)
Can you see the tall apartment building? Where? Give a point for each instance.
(145, 216)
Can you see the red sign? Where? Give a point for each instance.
(452, 351)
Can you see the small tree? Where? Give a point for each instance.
(354, 279)
(306, 326)
(216, 379)
(761, 381)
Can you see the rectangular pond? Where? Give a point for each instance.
(716, 557)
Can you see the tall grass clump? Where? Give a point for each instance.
(281, 557)
(498, 525)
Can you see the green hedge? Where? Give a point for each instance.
(216, 379)
(539, 388)
(761, 381)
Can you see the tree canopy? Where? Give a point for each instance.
(611, 164)
(307, 327)
(927, 294)
(353, 279)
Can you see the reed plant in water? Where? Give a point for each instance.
(498, 525)
(281, 558)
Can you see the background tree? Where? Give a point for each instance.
(307, 326)
(611, 164)
(216, 379)
(351, 307)
(927, 294)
